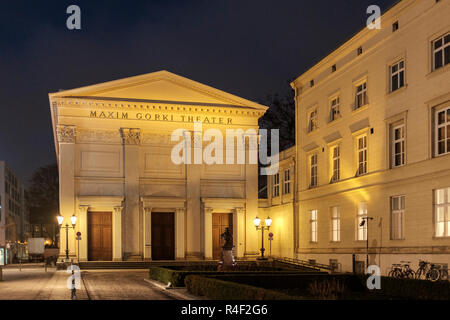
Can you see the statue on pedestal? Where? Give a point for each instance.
(227, 261)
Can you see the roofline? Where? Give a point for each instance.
(164, 74)
(358, 35)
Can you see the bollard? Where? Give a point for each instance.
(74, 290)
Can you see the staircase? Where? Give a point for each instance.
(302, 264)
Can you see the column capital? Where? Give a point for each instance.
(83, 208)
(180, 209)
(66, 133)
(239, 210)
(208, 210)
(131, 136)
(118, 209)
(148, 210)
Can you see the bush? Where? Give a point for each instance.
(224, 290)
(415, 289)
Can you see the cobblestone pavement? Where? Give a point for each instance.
(120, 285)
(36, 284)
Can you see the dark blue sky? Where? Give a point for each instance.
(248, 48)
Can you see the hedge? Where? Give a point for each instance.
(414, 289)
(223, 290)
(176, 277)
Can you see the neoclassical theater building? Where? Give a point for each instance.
(113, 145)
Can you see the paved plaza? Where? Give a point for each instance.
(38, 284)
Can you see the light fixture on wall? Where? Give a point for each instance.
(266, 226)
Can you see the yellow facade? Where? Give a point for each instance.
(113, 144)
(364, 74)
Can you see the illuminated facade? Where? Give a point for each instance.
(132, 202)
(373, 140)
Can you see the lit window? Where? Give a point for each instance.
(287, 182)
(442, 133)
(361, 95)
(335, 224)
(398, 146)
(362, 155)
(397, 75)
(335, 163)
(362, 228)
(313, 171)
(276, 185)
(334, 109)
(313, 225)
(312, 123)
(441, 51)
(397, 217)
(442, 212)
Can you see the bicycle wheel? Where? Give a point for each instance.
(444, 274)
(410, 274)
(391, 274)
(420, 274)
(434, 275)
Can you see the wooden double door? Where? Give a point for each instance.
(99, 236)
(220, 221)
(163, 235)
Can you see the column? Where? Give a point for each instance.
(117, 233)
(82, 223)
(207, 219)
(131, 139)
(251, 197)
(66, 143)
(239, 231)
(179, 233)
(147, 237)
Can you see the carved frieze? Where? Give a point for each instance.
(66, 133)
(131, 136)
(103, 136)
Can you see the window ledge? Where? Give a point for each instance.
(333, 122)
(310, 133)
(313, 242)
(393, 93)
(360, 109)
(441, 238)
(438, 71)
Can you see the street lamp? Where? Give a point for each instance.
(266, 226)
(367, 237)
(73, 220)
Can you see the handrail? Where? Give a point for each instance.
(303, 263)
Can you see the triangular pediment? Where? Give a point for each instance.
(160, 86)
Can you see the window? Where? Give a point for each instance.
(361, 95)
(359, 51)
(361, 233)
(362, 155)
(334, 109)
(276, 185)
(395, 26)
(311, 83)
(442, 133)
(398, 146)
(335, 224)
(441, 51)
(335, 163)
(313, 171)
(442, 212)
(333, 68)
(313, 225)
(287, 182)
(312, 124)
(397, 75)
(397, 217)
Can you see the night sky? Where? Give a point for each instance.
(248, 48)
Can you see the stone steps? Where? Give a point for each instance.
(139, 264)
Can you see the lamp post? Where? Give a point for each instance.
(364, 219)
(266, 226)
(73, 220)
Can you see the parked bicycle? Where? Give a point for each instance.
(402, 270)
(428, 271)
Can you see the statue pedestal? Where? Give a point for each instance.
(227, 261)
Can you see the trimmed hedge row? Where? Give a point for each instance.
(177, 277)
(414, 289)
(224, 290)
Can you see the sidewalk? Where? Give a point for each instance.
(36, 284)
